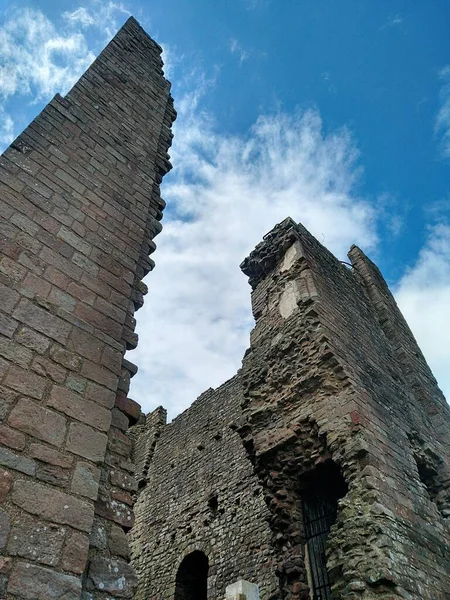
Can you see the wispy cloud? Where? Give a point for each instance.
(423, 295)
(37, 59)
(442, 127)
(224, 195)
(238, 50)
(393, 21)
(105, 16)
(6, 128)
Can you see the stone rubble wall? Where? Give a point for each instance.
(333, 373)
(80, 206)
(200, 494)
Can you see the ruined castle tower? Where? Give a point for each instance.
(322, 469)
(80, 206)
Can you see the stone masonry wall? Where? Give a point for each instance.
(334, 374)
(200, 494)
(80, 205)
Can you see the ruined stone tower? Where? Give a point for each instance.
(80, 207)
(322, 469)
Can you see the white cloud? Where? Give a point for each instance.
(37, 60)
(225, 194)
(236, 48)
(443, 118)
(106, 16)
(6, 128)
(423, 296)
(393, 21)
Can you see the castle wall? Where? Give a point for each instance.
(80, 205)
(200, 494)
(333, 373)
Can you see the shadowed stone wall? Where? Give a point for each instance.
(80, 206)
(199, 493)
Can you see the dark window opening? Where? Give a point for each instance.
(213, 503)
(192, 577)
(324, 486)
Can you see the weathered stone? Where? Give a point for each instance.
(86, 442)
(99, 537)
(52, 504)
(112, 576)
(118, 543)
(79, 408)
(36, 540)
(6, 480)
(5, 564)
(115, 511)
(50, 455)
(85, 480)
(31, 582)
(4, 528)
(123, 480)
(47, 425)
(25, 382)
(75, 553)
(53, 475)
(12, 438)
(17, 462)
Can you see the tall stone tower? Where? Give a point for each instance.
(346, 427)
(80, 207)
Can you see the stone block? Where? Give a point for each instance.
(47, 368)
(33, 340)
(4, 528)
(53, 475)
(25, 382)
(9, 298)
(243, 588)
(36, 540)
(119, 443)
(128, 406)
(123, 480)
(75, 553)
(31, 418)
(99, 375)
(6, 480)
(113, 576)
(50, 455)
(67, 359)
(85, 480)
(10, 459)
(100, 394)
(11, 438)
(32, 582)
(118, 543)
(86, 442)
(115, 511)
(79, 408)
(42, 321)
(52, 505)
(85, 344)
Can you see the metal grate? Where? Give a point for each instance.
(319, 514)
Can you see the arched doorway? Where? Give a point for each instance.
(192, 577)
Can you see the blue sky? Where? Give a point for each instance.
(335, 113)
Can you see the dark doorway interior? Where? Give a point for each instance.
(192, 577)
(320, 504)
